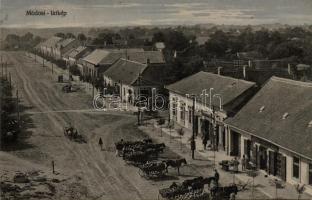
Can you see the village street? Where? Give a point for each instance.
(100, 174)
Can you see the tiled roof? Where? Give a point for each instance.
(96, 56)
(110, 56)
(280, 112)
(65, 42)
(125, 70)
(75, 52)
(155, 57)
(229, 88)
(51, 42)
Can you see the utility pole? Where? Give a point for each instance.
(6, 71)
(52, 66)
(139, 106)
(2, 67)
(10, 80)
(17, 108)
(42, 62)
(193, 144)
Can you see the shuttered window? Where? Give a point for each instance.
(296, 165)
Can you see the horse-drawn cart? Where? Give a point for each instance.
(72, 133)
(154, 169)
(188, 189)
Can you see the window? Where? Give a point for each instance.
(310, 174)
(296, 166)
(182, 112)
(190, 114)
(174, 106)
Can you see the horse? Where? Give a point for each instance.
(176, 164)
(209, 180)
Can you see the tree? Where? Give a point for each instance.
(81, 37)
(61, 35)
(70, 35)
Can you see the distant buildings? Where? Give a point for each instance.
(56, 47)
(100, 60)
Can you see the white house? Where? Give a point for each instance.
(217, 98)
(274, 130)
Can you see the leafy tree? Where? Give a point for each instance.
(81, 37)
(70, 35)
(61, 35)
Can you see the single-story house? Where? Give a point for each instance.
(216, 98)
(48, 47)
(274, 130)
(132, 78)
(100, 60)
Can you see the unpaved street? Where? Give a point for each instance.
(104, 175)
(90, 173)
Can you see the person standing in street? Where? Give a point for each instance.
(217, 176)
(244, 163)
(101, 143)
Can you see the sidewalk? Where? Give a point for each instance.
(262, 183)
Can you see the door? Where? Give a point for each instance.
(281, 166)
(272, 163)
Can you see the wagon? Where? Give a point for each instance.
(154, 169)
(188, 188)
(72, 134)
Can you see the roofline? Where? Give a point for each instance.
(227, 77)
(247, 132)
(290, 81)
(131, 61)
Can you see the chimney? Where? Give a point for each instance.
(219, 70)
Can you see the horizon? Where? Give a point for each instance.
(110, 13)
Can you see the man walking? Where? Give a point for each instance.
(217, 176)
(101, 143)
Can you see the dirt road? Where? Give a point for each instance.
(104, 175)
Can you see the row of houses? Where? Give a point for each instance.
(271, 125)
(131, 71)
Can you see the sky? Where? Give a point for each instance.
(101, 13)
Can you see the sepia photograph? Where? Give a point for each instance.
(156, 99)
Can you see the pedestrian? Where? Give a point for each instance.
(119, 147)
(101, 143)
(244, 163)
(204, 142)
(217, 176)
(235, 165)
(232, 196)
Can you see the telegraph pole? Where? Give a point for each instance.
(6, 71)
(193, 144)
(139, 106)
(17, 108)
(2, 67)
(10, 79)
